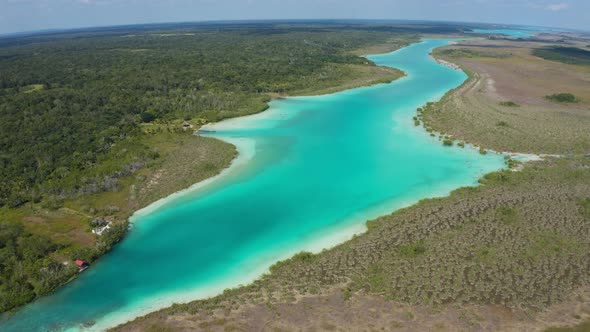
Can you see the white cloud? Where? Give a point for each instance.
(557, 7)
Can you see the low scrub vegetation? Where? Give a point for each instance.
(447, 142)
(585, 207)
(466, 53)
(509, 104)
(562, 98)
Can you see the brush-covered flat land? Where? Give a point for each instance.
(507, 103)
(510, 255)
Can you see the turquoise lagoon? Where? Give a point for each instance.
(510, 33)
(311, 171)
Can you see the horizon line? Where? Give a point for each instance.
(28, 33)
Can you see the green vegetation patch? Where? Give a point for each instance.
(562, 97)
(486, 254)
(569, 55)
(413, 249)
(299, 258)
(509, 104)
(448, 142)
(585, 207)
(468, 53)
(506, 215)
(34, 87)
(551, 243)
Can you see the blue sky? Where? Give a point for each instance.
(26, 15)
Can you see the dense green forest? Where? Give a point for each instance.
(80, 113)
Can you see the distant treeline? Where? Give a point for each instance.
(570, 55)
(261, 27)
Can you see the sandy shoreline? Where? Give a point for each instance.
(448, 64)
(245, 148)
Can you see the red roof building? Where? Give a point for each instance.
(82, 265)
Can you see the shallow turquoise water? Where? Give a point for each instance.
(322, 166)
(511, 33)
